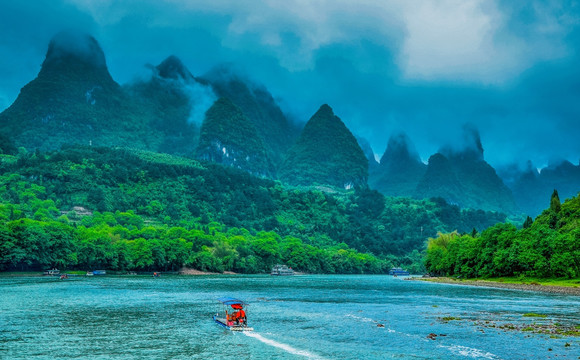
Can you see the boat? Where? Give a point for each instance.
(232, 315)
(281, 270)
(52, 272)
(398, 272)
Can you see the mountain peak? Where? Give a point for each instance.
(325, 110)
(400, 148)
(173, 68)
(467, 147)
(400, 168)
(325, 153)
(68, 45)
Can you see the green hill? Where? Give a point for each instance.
(326, 153)
(545, 248)
(75, 100)
(463, 177)
(400, 168)
(133, 209)
(228, 137)
(275, 131)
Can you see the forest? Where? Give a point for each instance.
(124, 209)
(547, 247)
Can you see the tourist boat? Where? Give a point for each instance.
(398, 272)
(281, 270)
(232, 315)
(52, 272)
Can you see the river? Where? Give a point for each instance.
(298, 317)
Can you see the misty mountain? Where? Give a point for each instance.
(466, 179)
(532, 188)
(176, 103)
(228, 137)
(399, 170)
(74, 100)
(274, 129)
(369, 153)
(325, 153)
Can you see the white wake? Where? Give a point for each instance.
(282, 346)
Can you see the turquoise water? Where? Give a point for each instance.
(317, 317)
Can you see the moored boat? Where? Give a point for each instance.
(398, 272)
(281, 270)
(52, 272)
(233, 315)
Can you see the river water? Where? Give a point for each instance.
(299, 317)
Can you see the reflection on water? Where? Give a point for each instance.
(319, 317)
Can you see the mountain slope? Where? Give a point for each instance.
(463, 177)
(228, 137)
(400, 168)
(75, 100)
(176, 102)
(274, 129)
(326, 153)
(531, 188)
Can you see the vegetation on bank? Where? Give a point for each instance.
(547, 247)
(561, 282)
(121, 209)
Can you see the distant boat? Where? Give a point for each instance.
(233, 315)
(100, 272)
(52, 272)
(281, 270)
(398, 272)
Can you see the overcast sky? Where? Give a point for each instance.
(510, 68)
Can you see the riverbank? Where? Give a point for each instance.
(531, 286)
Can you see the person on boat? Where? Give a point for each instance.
(242, 316)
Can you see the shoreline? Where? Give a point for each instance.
(552, 289)
(182, 271)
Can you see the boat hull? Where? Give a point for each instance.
(222, 323)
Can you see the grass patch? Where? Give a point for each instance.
(535, 315)
(450, 318)
(534, 281)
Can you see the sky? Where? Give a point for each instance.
(510, 69)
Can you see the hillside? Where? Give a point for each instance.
(326, 153)
(74, 100)
(127, 195)
(462, 176)
(531, 186)
(545, 248)
(275, 131)
(399, 170)
(166, 97)
(228, 137)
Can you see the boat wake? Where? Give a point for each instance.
(469, 352)
(282, 346)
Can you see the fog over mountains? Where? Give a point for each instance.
(74, 100)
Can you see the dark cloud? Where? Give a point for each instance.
(426, 68)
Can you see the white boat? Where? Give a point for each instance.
(281, 270)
